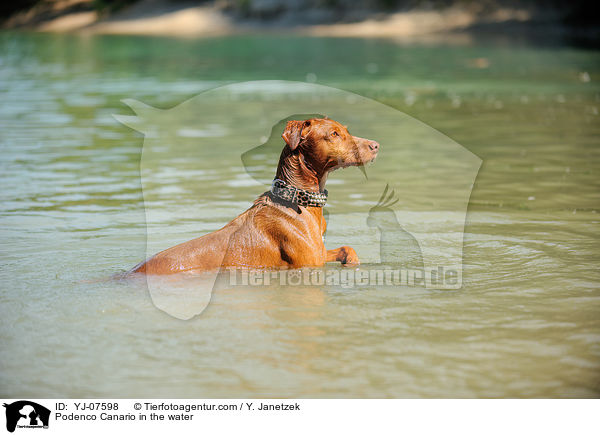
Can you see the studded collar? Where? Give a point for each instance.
(305, 198)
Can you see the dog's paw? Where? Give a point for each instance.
(348, 256)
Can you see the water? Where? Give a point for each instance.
(525, 323)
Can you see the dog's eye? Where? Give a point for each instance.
(335, 133)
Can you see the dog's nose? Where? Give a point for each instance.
(374, 146)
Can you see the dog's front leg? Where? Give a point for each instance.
(345, 255)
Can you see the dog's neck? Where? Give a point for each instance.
(296, 171)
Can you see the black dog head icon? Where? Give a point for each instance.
(28, 410)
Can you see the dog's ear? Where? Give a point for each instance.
(292, 135)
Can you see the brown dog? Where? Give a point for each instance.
(285, 226)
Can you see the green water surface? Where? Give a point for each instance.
(525, 324)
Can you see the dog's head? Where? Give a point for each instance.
(327, 145)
